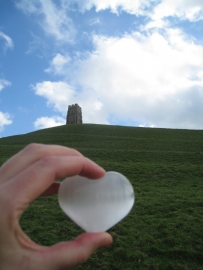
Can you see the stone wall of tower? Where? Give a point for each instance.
(74, 114)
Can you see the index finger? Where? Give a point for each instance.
(29, 155)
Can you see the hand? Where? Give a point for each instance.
(28, 174)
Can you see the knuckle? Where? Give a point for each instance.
(72, 152)
(48, 161)
(33, 147)
(76, 152)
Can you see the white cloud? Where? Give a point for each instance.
(57, 65)
(51, 17)
(158, 24)
(184, 9)
(4, 83)
(130, 6)
(58, 94)
(5, 119)
(47, 122)
(156, 80)
(143, 125)
(8, 41)
(98, 105)
(157, 9)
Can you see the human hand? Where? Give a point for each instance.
(28, 174)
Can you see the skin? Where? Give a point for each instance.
(27, 175)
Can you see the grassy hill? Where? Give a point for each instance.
(165, 167)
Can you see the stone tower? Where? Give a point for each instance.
(74, 114)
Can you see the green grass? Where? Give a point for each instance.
(164, 230)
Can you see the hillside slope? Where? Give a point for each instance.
(165, 167)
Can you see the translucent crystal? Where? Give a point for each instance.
(96, 205)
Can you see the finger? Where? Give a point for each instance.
(29, 155)
(69, 254)
(36, 179)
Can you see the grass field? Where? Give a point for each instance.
(164, 230)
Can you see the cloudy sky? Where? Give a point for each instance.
(125, 62)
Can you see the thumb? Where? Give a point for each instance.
(69, 254)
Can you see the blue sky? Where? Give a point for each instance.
(125, 62)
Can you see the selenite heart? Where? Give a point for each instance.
(96, 205)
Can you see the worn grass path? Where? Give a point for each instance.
(164, 230)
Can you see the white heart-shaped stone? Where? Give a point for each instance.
(96, 205)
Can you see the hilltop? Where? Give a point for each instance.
(100, 141)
